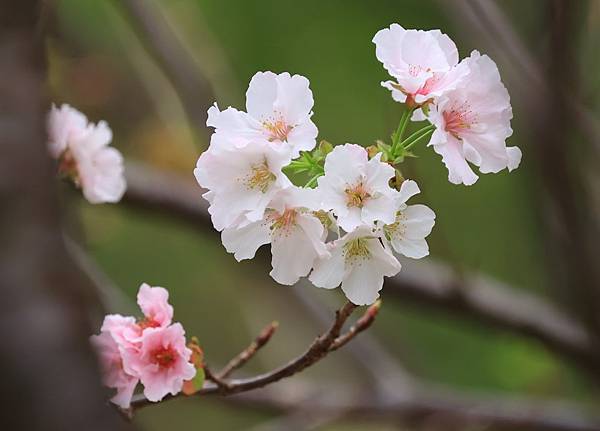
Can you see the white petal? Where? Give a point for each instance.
(459, 170)
(408, 189)
(346, 160)
(302, 137)
(295, 252)
(261, 95)
(294, 98)
(243, 242)
(329, 272)
(514, 157)
(382, 208)
(364, 281)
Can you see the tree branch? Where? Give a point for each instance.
(427, 406)
(247, 354)
(433, 285)
(315, 352)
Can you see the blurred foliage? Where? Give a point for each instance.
(98, 64)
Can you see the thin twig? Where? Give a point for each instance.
(361, 325)
(217, 380)
(247, 354)
(316, 351)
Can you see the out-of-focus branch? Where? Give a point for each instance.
(163, 44)
(476, 297)
(428, 406)
(315, 352)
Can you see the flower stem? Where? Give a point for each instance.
(416, 135)
(426, 134)
(397, 137)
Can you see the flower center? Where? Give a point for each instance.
(282, 223)
(278, 129)
(260, 177)
(395, 229)
(68, 166)
(147, 323)
(356, 250)
(357, 195)
(164, 357)
(458, 119)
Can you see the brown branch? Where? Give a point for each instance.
(243, 357)
(361, 325)
(316, 351)
(433, 285)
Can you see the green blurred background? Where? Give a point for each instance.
(98, 65)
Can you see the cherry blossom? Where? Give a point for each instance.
(279, 108)
(151, 350)
(241, 181)
(423, 63)
(473, 122)
(357, 189)
(412, 225)
(358, 261)
(154, 303)
(295, 233)
(84, 154)
(162, 361)
(113, 374)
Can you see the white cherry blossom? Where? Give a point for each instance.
(279, 108)
(296, 235)
(359, 262)
(357, 189)
(412, 225)
(473, 122)
(85, 155)
(241, 181)
(423, 63)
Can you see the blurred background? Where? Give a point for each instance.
(529, 229)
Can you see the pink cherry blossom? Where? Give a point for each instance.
(123, 329)
(161, 362)
(279, 108)
(113, 374)
(473, 122)
(154, 303)
(423, 63)
(84, 154)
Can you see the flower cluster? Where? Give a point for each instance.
(151, 350)
(84, 155)
(343, 232)
(465, 101)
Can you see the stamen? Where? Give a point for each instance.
(357, 196)
(260, 177)
(356, 250)
(164, 357)
(395, 229)
(277, 128)
(458, 119)
(283, 223)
